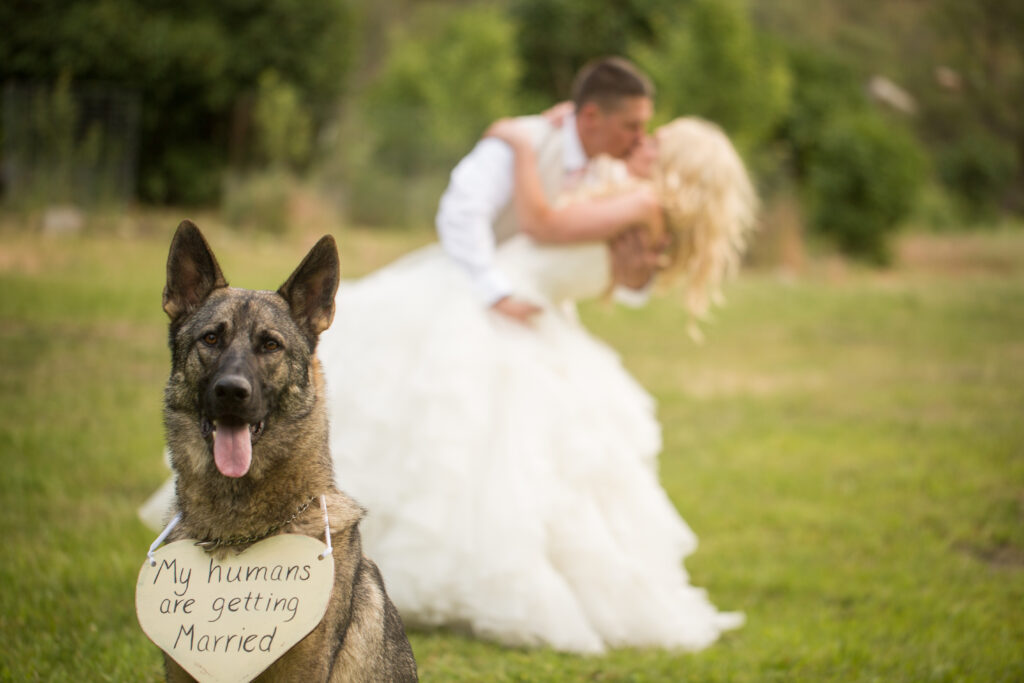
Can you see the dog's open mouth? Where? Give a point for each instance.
(232, 444)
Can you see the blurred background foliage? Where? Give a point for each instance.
(865, 116)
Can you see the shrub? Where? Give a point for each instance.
(824, 87)
(862, 181)
(189, 172)
(283, 126)
(384, 198)
(979, 168)
(258, 201)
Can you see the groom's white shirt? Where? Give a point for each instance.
(479, 191)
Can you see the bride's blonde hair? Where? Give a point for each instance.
(709, 202)
(710, 208)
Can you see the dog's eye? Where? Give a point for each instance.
(211, 339)
(271, 345)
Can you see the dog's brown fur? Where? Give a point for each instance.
(361, 637)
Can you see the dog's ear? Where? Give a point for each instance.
(310, 290)
(192, 272)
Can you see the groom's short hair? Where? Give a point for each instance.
(609, 80)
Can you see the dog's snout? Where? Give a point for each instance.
(234, 388)
(234, 392)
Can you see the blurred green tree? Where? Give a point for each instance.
(972, 118)
(449, 72)
(824, 87)
(194, 63)
(556, 37)
(708, 60)
(963, 64)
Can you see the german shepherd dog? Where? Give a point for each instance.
(246, 423)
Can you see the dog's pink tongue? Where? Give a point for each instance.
(232, 449)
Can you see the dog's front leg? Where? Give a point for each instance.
(306, 661)
(174, 672)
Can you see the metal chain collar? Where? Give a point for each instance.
(214, 543)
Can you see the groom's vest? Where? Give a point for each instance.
(547, 142)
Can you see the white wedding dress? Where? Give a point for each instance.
(509, 473)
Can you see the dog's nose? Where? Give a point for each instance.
(232, 388)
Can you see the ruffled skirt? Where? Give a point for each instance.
(509, 473)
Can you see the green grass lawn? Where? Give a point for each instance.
(848, 445)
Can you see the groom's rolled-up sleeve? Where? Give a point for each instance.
(480, 186)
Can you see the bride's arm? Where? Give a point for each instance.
(588, 220)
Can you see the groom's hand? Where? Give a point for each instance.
(520, 311)
(637, 257)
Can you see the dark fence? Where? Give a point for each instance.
(68, 144)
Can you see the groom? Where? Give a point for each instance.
(612, 104)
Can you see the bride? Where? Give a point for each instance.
(509, 470)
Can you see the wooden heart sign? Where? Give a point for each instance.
(228, 620)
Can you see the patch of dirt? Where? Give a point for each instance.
(1002, 556)
(23, 250)
(962, 254)
(18, 258)
(717, 384)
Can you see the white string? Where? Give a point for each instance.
(160, 539)
(327, 529)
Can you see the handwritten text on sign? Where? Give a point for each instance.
(228, 620)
